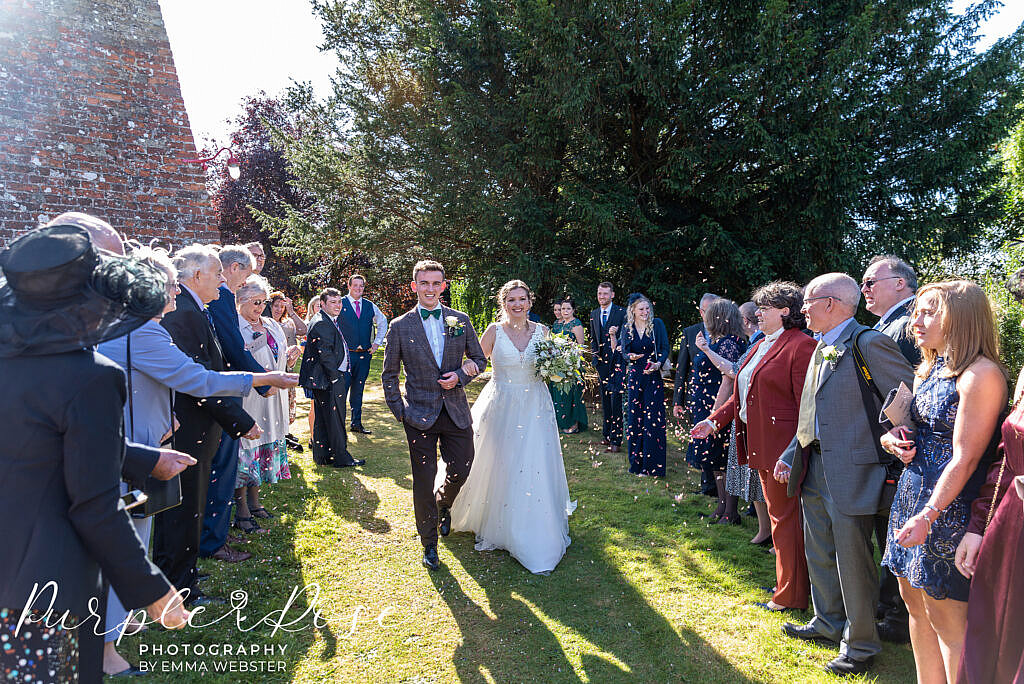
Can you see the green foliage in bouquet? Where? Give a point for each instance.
(561, 361)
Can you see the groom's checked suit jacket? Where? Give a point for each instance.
(407, 343)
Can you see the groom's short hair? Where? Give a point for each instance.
(329, 292)
(427, 265)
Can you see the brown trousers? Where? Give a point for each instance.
(792, 585)
(456, 450)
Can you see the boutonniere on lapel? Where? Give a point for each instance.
(453, 327)
(832, 354)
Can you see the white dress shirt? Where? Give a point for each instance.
(605, 312)
(344, 362)
(434, 327)
(881, 321)
(379, 319)
(743, 377)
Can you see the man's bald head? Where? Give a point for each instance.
(103, 234)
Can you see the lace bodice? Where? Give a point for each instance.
(512, 367)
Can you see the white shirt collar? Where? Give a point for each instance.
(198, 301)
(775, 335)
(896, 306)
(420, 306)
(352, 299)
(606, 309)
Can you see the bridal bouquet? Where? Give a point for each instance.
(560, 361)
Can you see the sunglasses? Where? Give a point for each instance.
(258, 302)
(870, 282)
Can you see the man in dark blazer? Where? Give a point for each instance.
(177, 531)
(609, 364)
(835, 465)
(326, 374)
(237, 264)
(684, 363)
(889, 286)
(431, 342)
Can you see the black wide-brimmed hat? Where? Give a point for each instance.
(59, 294)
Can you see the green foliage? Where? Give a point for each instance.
(670, 146)
(1009, 312)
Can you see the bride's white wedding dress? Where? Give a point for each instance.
(516, 497)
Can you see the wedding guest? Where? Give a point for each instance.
(688, 352)
(238, 264)
(177, 531)
(556, 310)
(357, 320)
(258, 255)
(740, 480)
(570, 409)
(835, 467)
(312, 309)
(725, 338)
(991, 555)
(263, 460)
(610, 367)
(764, 406)
(61, 460)
(959, 392)
(156, 367)
(283, 312)
(645, 347)
(888, 286)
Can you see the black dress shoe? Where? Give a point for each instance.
(444, 521)
(348, 464)
(360, 429)
(893, 632)
(200, 599)
(806, 633)
(200, 576)
(844, 666)
(430, 559)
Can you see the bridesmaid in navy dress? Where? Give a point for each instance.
(645, 346)
(959, 393)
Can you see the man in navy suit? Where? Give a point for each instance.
(608, 363)
(358, 317)
(325, 372)
(238, 264)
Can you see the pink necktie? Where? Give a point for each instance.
(358, 308)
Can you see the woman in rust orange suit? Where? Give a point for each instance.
(765, 404)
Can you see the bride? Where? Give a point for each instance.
(516, 496)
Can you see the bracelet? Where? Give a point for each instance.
(713, 424)
(933, 508)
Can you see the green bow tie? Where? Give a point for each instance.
(436, 313)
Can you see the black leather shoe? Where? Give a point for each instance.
(430, 559)
(893, 632)
(806, 633)
(360, 429)
(844, 666)
(201, 599)
(444, 521)
(349, 464)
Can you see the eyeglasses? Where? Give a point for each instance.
(814, 299)
(258, 302)
(870, 282)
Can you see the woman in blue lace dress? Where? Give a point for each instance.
(722, 320)
(959, 393)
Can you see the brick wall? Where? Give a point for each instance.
(91, 119)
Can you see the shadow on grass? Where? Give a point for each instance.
(610, 632)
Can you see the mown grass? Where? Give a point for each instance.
(645, 593)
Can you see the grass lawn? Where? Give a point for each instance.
(645, 593)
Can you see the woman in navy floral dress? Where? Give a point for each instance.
(959, 393)
(723, 322)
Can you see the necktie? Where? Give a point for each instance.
(358, 308)
(806, 424)
(436, 313)
(209, 317)
(604, 318)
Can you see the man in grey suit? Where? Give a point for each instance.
(684, 362)
(889, 286)
(431, 341)
(835, 463)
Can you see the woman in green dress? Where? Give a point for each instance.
(570, 411)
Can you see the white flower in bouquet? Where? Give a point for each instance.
(560, 361)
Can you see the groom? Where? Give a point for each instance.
(432, 340)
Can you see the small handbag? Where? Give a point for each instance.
(161, 494)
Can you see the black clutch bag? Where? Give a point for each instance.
(160, 494)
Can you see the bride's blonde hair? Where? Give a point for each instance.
(504, 292)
